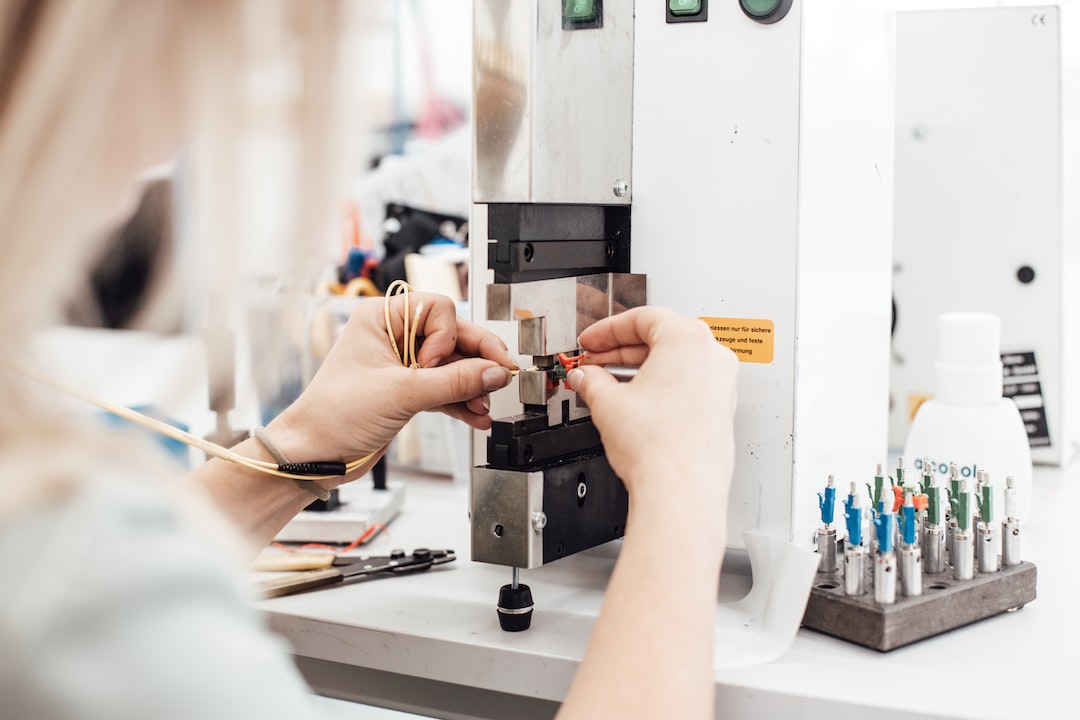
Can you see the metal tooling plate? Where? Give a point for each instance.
(945, 604)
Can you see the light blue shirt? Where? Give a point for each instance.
(111, 608)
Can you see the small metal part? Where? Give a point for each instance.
(532, 386)
(963, 558)
(885, 578)
(531, 336)
(963, 508)
(933, 549)
(950, 539)
(1010, 542)
(582, 490)
(986, 548)
(539, 521)
(620, 188)
(1010, 526)
(910, 571)
(826, 547)
(855, 570)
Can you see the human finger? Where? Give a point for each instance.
(475, 341)
(436, 323)
(456, 382)
(637, 326)
(593, 385)
(460, 411)
(634, 355)
(479, 405)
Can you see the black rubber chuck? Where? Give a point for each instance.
(515, 608)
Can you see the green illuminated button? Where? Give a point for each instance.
(684, 7)
(760, 8)
(579, 9)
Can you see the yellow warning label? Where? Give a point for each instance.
(752, 340)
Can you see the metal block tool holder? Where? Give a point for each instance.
(946, 572)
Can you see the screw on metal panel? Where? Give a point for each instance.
(539, 521)
(620, 188)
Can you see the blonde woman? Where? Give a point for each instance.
(115, 601)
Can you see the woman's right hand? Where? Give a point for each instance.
(668, 433)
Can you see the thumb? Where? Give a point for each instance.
(456, 382)
(592, 384)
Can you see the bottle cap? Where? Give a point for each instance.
(969, 359)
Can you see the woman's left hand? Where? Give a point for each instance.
(363, 395)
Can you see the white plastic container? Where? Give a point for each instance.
(968, 422)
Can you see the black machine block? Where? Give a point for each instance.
(585, 503)
(540, 242)
(525, 441)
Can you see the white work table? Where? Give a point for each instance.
(430, 643)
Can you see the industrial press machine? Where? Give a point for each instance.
(729, 159)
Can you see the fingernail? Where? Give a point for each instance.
(433, 362)
(495, 378)
(574, 377)
(486, 402)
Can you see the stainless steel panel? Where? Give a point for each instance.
(567, 306)
(498, 302)
(502, 503)
(552, 107)
(531, 334)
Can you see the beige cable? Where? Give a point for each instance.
(409, 333)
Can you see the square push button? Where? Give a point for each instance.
(578, 9)
(582, 14)
(687, 11)
(684, 7)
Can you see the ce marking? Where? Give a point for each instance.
(1038, 19)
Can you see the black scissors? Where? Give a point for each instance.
(341, 567)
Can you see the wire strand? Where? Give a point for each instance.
(409, 333)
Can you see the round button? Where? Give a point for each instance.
(397, 554)
(1025, 274)
(765, 11)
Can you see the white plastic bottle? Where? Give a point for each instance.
(968, 422)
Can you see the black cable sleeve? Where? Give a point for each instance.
(324, 467)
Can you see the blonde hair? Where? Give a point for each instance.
(90, 94)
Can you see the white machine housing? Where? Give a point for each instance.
(760, 198)
(982, 217)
